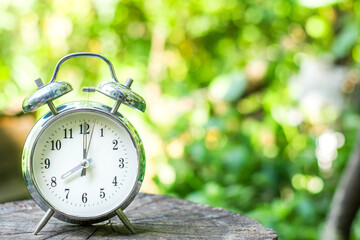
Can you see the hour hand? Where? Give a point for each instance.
(84, 164)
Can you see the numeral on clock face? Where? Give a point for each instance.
(55, 145)
(53, 182)
(115, 181)
(115, 142)
(121, 163)
(87, 128)
(84, 198)
(47, 163)
(67, 191)
(102, 193)
(68, 133)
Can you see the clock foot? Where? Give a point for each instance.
(44, 220)
(125, 220)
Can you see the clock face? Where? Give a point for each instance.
(85, 164)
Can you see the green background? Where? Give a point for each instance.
(252, 105)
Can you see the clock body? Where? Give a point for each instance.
(53, 153)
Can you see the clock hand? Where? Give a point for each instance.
(84, 164)
(84, 140)
(83, 171)
(91, 135)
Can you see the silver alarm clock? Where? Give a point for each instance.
(83, 162)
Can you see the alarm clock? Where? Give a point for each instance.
(83, 162)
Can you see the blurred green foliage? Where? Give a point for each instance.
(223, 126)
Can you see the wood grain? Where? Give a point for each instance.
(153, 217)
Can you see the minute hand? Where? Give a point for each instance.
(84, 140)
(83, 171)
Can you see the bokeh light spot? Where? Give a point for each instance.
(166, 173)
(317, 27)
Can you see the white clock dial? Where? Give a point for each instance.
(112, 164)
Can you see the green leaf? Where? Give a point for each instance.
(345, 41)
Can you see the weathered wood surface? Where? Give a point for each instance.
(153, 217)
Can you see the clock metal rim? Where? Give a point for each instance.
(46, 121)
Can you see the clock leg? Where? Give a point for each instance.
(125, 220)
(44, 220)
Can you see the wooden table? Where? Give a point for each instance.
(153, 217)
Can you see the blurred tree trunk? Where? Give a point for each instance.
(13, 131)
(346, 200)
